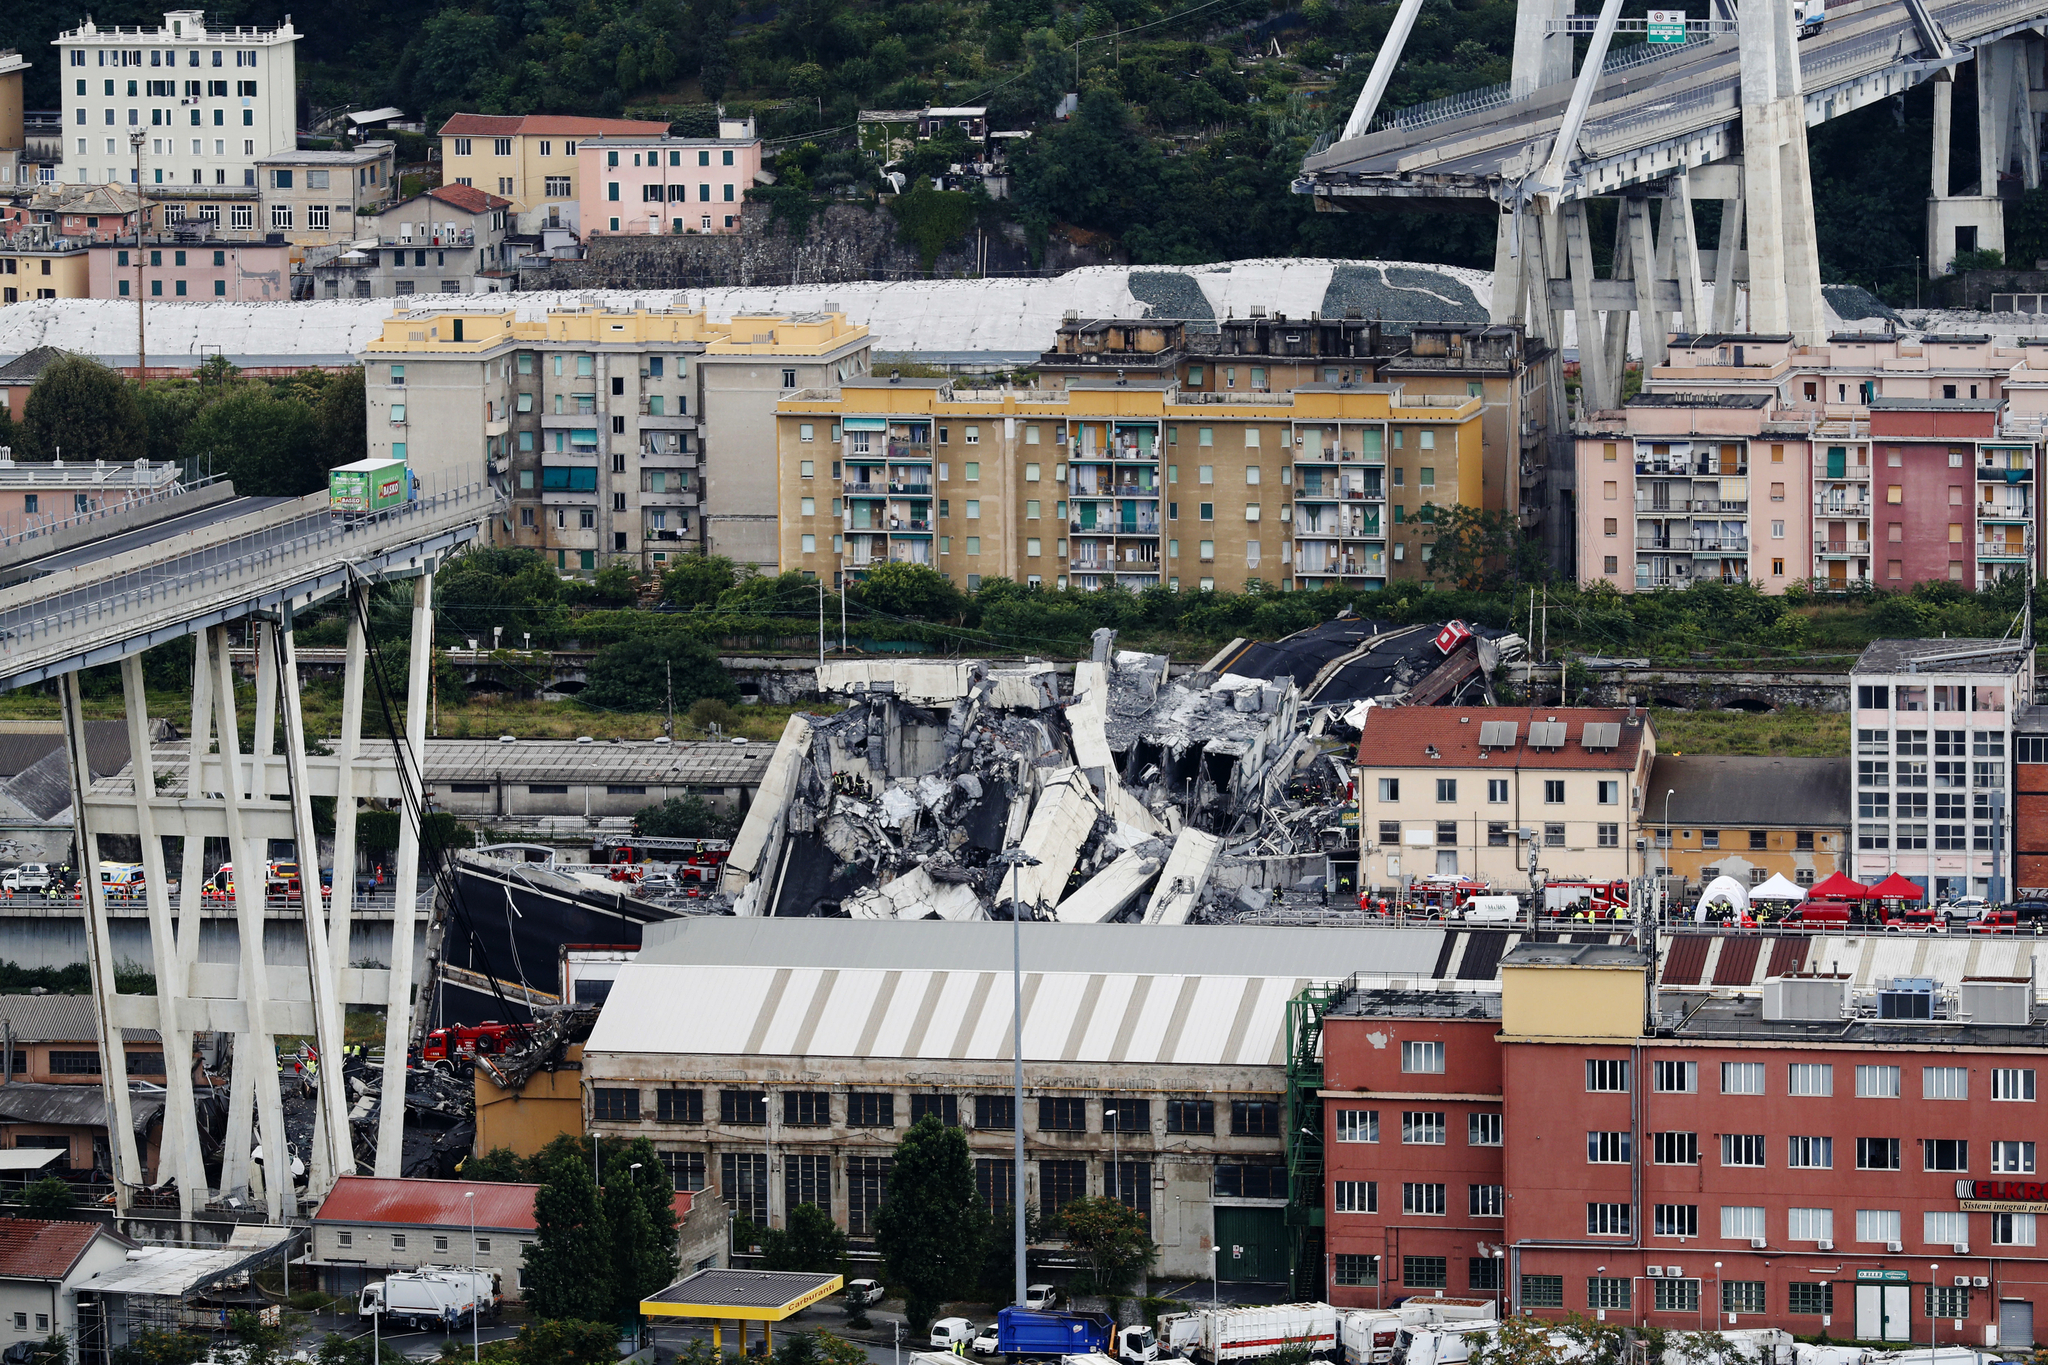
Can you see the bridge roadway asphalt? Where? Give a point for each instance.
(122, 542)
(1860, 37)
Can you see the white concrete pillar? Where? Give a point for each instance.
(1944, 132)
(1728, 252)
(398, 1005)
(1543, 56)
(1649, 317)
(99, 957)
(1599, 391)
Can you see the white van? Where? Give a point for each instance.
(947, 1331)
(1491, 910)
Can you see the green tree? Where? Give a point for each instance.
(569, 1265)
(169, 406)
(566, 1341)
(913, 591)
(269, 446)
(160, 1348)
(639, 1212)
(49, 1197)
(1480, 549)
(78, 409)
(684, 817)
(500, 1165)
(932, 1226)
(513, 589)
(342, 415)
(697, 580)
(811, 1241)
(336, 1349)
(1110, 1237)
(932, 220)
(635, 675)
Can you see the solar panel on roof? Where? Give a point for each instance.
(1497, 734)
(1601, 735)
(1546, 734)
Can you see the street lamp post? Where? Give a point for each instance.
(1017, 860)
(1933, 1273)
(1669, 792)
(141, 342)
(475, 1338)
(1717, 1291)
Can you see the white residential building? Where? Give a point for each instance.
(209, 103)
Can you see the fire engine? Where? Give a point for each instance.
(1606, 899)
(467, 1041)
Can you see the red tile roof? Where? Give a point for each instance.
(468, 198)
(1401, 736)
(43, 1248)
(428, 1203)
(546, 125)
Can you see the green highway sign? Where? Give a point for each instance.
(1667, 26)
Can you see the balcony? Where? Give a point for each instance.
(1853, 509)
(904, 450)
(1706, 467)
(1669, 507)
(914, 490)
(1699, 545)
(2014, 468)
(2005, 550)
(911, 524)
(1116, 528)
(864, 488)
(1338, 455)
(1842, 549)
(2006, 512)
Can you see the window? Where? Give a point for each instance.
(1120, 1114)
(1945, 1154)
(1675, 1149)
(1255, 1118)
(1353, 1125)
(1742, 1078)
(867, 1183)
(1742, 1296)
(1482, 1130)
(619, 1106)
(995, 1112)
(1422, 1057)
(1813, 1153)
(1944, 1082)
(1553, 791)
(1352, 1270)
(1607, 1220)
(1607, 1147)
(2012, 1083)
(1543, 1291)
(1355, 1196)
(1608, 1291)
(1877, 1154)
(1676, 1220)
(1422, 1198)
(2011, 1158)
(1424, 1128)
(1676, 1296)
(1742, 1149)
(2012, 1229)
(1877, 1225)
(1483, 1274)
(807, 1108)
(1446, 789)
(1606, 1074)
(1062, 1114)
(1199, 1116)
(74, 1063)
(1487, 1201)
(1251, 1180)
(870, 1109)
(398, 1241)
(1675, 1078)
(441, 1244)
(1741, 1222)
(1811, 1078)
(1496, 791)
(679, 1106)
(747, 1107)
(1877, 1082)
(1390, 790)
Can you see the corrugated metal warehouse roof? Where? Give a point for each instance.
(1225, 1020)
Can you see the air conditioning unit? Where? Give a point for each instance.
(1655, 1272)
(1962, 1248)
(1962, 1281)
(1980, 1282)
(1757, 1244)
(1895, 1247)
(1675, 1272)
(1825, 1246)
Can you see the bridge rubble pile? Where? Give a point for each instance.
(1137, 797)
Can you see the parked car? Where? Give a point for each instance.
(862, 1294)
(1039, 1297)
(984, 1343)
(948, 1331)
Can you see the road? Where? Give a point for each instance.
(125, 541)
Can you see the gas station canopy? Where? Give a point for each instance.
(765, 1296)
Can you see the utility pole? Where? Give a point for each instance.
(668, 724)
(141, 344)
(821, 623)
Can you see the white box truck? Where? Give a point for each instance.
(1375, 1336)
(1216, 1335)
(424, 1298)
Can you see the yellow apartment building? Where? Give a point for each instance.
(47, 272)
(529, 159)
(620, 436)
(1130, 482)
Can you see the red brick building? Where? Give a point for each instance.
(1950, 500)
(1813, 1159)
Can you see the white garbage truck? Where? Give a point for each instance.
(1377, 1336)
(426, 1298)
(1216, 1335)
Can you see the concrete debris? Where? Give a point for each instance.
(1221, 794)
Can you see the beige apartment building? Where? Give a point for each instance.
(312, 198)
(1455, 791)
(614, 433)
(1125, 482)
(529, 159)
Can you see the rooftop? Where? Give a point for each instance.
(1740, 1018)
(1699, 400)
(1573, 955)
(354, 156)
(544, 125)
(1934, 404)
(429, 1203)
(783, 1290)
(1422, 1002)
(1954, 655)
(1503, 736)
(45, 1248)
(1704, 339)
(1803, 793)
(58, 1019)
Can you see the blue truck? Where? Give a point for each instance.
(1025, 1332)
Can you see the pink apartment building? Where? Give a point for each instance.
(196, 272)
(672, 185)
(1749, 458)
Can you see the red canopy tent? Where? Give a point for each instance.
(1896, 888)
(1840, 888)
